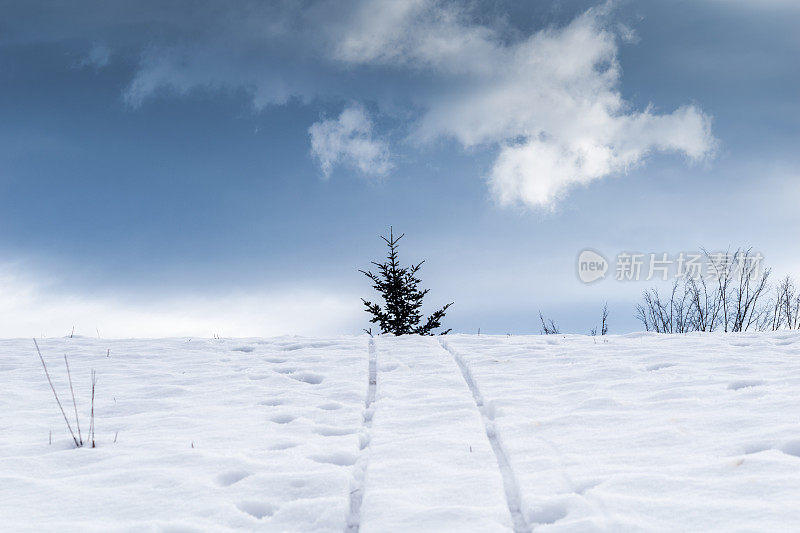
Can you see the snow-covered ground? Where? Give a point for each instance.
(457, 433)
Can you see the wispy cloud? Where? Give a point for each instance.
(250, 47)
(98, 57)
(349, 140)
(34, 306)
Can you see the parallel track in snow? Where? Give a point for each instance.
(360, 468)
(510, 484)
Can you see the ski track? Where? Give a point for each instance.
(431, 467)
(360, 468)
(510, 484)
(637, 432)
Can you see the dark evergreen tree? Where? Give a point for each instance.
(399, 287)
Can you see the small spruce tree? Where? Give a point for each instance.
(399, 287)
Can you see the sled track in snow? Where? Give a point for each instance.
(360, 468)
(510, 484)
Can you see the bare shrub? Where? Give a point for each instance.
(786, 311)
(672, 314)
(741, 290)
(77, 440)
(548, 326)
(705, 304)
(603, 323)
(74, 404)
(735, 301)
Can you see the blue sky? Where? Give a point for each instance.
(225, 168)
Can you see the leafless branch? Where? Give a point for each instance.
(75, 405)
(46, 373)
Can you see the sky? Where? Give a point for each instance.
(226, 168)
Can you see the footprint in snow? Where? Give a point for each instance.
(308, 377)
(274, 360)
(257, 509)
(744, 383)
(226, 479)
(547, 514)
(339, 459)
(292, 347)
(585, 486)
(331, 431)
(273, 402)
(245, 349)
(282, 419)
(791, 447)
(332, 406)
(756, 447)
(659, 366)
(285, 445)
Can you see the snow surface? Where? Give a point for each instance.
(638, 432)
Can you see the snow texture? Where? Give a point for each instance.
(639, 432)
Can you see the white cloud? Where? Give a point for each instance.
(547, 101)
(98, 57)
(417, 33)
(32, 306)
(540, 170)
(349, 140)
(550, 102)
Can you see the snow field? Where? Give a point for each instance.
(212, 435)
(638, 432)
(647, 432)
